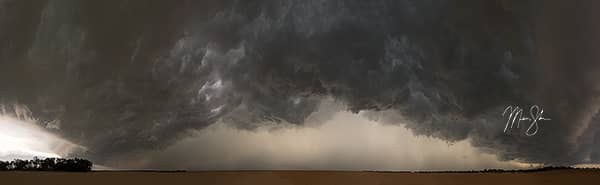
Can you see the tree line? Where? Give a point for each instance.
(47, 164)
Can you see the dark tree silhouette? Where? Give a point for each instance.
(48, 164)
(4, 166)
(19, 164)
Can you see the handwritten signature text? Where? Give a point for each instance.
(515, 115)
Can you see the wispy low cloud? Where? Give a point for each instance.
(346, 142)
(24, 140)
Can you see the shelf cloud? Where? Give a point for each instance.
(124, 77)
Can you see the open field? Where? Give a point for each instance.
(300, 177)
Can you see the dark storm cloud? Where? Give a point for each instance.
(121, 77)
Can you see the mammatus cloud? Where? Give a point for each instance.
(123, 77)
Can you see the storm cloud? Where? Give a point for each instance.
(123, 77)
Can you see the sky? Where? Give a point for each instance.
(301, 84)
(345, 142)
(23, 140)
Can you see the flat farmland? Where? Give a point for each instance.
(301, 177)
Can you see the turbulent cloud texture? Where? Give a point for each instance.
(122, 77)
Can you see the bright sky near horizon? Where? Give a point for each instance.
(346, 142)
(330, 146)
(24, 140)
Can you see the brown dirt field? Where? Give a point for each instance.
(299, 177)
